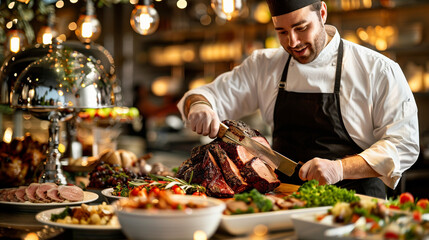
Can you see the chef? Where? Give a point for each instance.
(344, 110)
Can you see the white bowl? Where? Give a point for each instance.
(171, 224)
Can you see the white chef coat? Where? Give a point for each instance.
(377, 105)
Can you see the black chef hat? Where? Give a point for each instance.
(280, 7)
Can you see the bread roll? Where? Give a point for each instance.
(119, 157)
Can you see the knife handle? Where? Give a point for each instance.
(222, 130)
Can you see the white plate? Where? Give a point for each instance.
(307, 227)
(276, 220)
(30, 206)
(45, 218)
(107, 193)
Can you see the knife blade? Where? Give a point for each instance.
(266, 154)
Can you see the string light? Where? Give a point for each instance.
(144, 18)
(228, 9)
(88, 26)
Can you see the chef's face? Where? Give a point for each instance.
(302, 32)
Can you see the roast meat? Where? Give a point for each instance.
(226, 168)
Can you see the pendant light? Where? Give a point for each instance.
(47, 32)
(228, 9)
(15, 39)
(88, 26)
(144, 18)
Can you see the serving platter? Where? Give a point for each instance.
(307, 227)
(36, 207)
(83, 231)
(273, 221)
(107, 193)
(45, 218)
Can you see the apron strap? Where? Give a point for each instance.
(339, 67)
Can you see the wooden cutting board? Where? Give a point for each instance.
(286, 189)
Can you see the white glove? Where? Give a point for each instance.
(203, 120)
(323, 170)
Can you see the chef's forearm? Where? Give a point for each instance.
(191, 99)
(355, 167)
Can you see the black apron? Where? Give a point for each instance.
(308, 125)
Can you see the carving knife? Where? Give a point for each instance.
(266, 154)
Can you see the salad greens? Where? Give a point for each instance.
(262, 203)
(67, 212)
(317, 195)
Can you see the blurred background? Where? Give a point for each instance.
(184, 44)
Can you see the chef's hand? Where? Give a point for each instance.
(323, 170)
(203, 120)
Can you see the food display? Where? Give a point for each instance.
(225, 168)
(42, 193)
(117, 114)
(156, 184)
(168, 216)
(399, 218)
(309, 195)
(118, 167)
(102, 214)
(21, 161)
(158, 200)
(316, 195)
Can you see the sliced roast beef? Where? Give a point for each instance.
(30, 192)
(42, 189)
(238, 154)
(3, 194)
(71, 193)
(53, 195)
(11, 195)
(260, 176)
(230, 171)
(20, 194)
(225, 168)
(214, 182)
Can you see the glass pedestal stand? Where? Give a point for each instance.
(53, 172)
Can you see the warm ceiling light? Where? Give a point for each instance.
(228, 9)
(88, 26)
(144, 18)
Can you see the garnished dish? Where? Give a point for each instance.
(165, 215)
(247, 210)
(102, 214)
(100, 218)
(400, 218)
(154, 183)
(159, 200)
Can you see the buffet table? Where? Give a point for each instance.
(21, 224)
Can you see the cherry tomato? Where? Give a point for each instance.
(423, 203)
(406, 197)
(178, 190)
(417, 216)
(135, 192)
(154, 190)
(199, 194)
